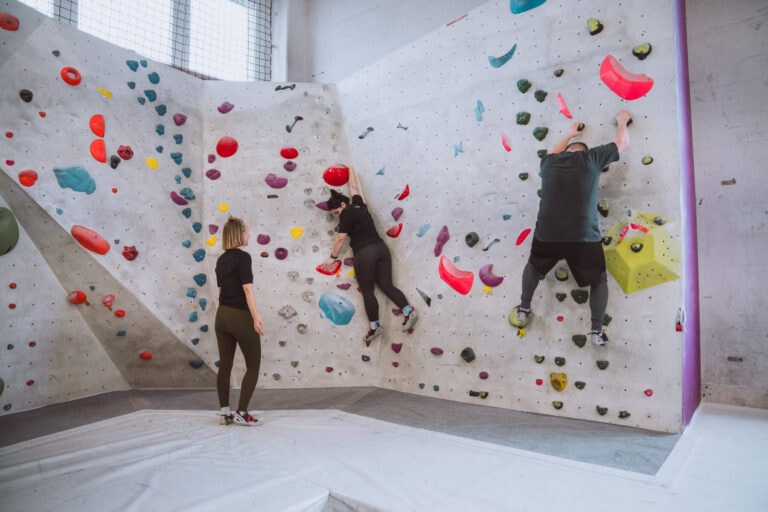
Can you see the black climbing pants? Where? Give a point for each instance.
(373, 266)
(235, 327)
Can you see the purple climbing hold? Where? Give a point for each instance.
(396, 213)
(442, 238)
(344, 286)
(483, 375)
(178, 199)
(281, 253)
(213, 229)
(213, 174)
(397, 347)
(262, 239)
(275, 181)
(289, 166)
(323, 205)
(437, 351)
(211, 158)
(179, 119)
(225, 107)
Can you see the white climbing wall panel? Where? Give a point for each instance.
(438, 110)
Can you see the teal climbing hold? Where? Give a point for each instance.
(187, 243)
(191, 293)
(176, 157)
(131, 85)
(199, 255)
(178, 138)
(160, 129)
(150, 94)
(337, 309)
(497, 62)
(193, 317)
(154, 78)
(200, 279)
(203, 304)
(132, 64)
(161, 110)
(76, 178)
(187, 172)
(521, 6)
(197, 227)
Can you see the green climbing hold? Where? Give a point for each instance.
(523, 85)
(542, 153)
(602, 364)
(561, 296)
(561, 274)
(557, 405)
(607, 240)
(472, 238)
(540, 95)
(559, 72)
(607, 319)
(579, 384)
(647, 160)
(580, 296)
(641, 51)
(624, 414)
(560, 361)
(602, 207)
(468, 355)
(601, 410)
(523, 117)
(540, 132)
(659, 221)
(594, 25)
(538, 359)
(523, 176)
(581, 127)
(636, 247)
(9, 231)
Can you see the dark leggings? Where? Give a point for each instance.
(373, 266)
(235, 327)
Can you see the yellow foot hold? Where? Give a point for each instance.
(521, 333)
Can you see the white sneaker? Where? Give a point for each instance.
(599, 339)
(245, 418)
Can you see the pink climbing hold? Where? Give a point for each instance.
(436, 351)
(626, 85)
(483, 375)
(397, 347)
(396, 213)
(563, 107)
(336, 175)
(394, 231)
(459, 280)
(178, 199)
(522, 236)
(213, 174)
(179, 119)
(289, 153)
(505, 142)
(442, 239)
(275, 181)
(226, 147)
(487, 277)
(225, 107)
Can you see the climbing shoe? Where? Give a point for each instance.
(599, 339)
(372, 335)
(520, 317)
(410, 320)
(245, 418)
(226, 419)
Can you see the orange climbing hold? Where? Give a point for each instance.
(70, 75)
(9, 22)
(97, 125)
(99, 150)
(28, 177)
(626, 85)
(459, 280)
(146, 355)
(90, 239)
(78, 297)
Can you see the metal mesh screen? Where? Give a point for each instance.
(219, 39)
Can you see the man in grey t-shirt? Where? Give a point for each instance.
(566, 225)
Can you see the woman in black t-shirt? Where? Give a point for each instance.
(373, 261)
(237, 321)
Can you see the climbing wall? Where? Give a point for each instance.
(449, 118)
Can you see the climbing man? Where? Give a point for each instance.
(566, 225)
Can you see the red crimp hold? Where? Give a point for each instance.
(78, 297)
(130, 253)
(405, 193)
(394, 231)
(125, 152)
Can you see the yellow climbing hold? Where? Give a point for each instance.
(152, 163)
(487, 290)
(211, 241)
(104, 92)
(297, 231)
(351, 273)
(223, 207)
(521, 333)
(558, 380)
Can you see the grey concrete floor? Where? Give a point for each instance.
(616, 446)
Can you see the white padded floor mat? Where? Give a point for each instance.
(326, 460)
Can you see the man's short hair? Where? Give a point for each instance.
(568, 147)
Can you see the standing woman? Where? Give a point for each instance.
(237, 321)
(373, 262)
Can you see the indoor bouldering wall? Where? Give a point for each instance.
(458, 118)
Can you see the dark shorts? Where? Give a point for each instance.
(585, 259)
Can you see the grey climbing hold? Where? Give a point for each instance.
(602, 364)
(560, 361)
(472, 238)
(468, 355)
(580, 296)
(579, 340)
(579, 384)
(601, 410)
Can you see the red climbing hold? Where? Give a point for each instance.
(459, 280)
(97, 125)
(522, 236)
(505, 142)
(99, 150)
(90, 239)
(145, 355)
(336, 175)
(405, 193)
(119, 313)
(125, 152)
(626, 85)
(70, 75)
(226, 147)
(130, 252)
(78, 297)
(333, 271)
(648, 392)
(563, 107)
(108, 300)
(394, 231)
(289, 153)
(9, 22)
(28, 177)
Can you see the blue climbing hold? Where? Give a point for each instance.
(76, 178)
(193, 317)
(132, 64)
(197, 227)
(150, 94)
(520, 6)
(179, 138)
(187, 212)
(176, 157)
(200, 279)
(160, 129)
(423, 229)
(203, 304)
(187, 243)
(191, 293)
(154, 78)
(336, 308)
(131, 85)
(187, 193)
(161, 109)
(199, 255)
(177, 179)
(187, 172)
(497, 62)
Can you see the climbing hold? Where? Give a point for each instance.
(540, 95)
(225, 107)
(580, 296)
(336, 175)
(336, 308)
(647, 160)
(146, 355)
(648, 392)
(522, 118)
(226, 147)
(563, 107)
(296, 232)
(540, 132)
(9, 22)
(199, 255)
(114, 161)
(520, 6)
(281, 253)
(641, 51)
(179, 119)
(125, 152)
(594, 26)
(523, 176)
(579, 340)
(178, 138)
(558, 72)
(28, 177)
(471, 239)
(161, 110)
(523, 85)
(70, 75)
(442, 238)
(397, 347)
(334, 270)
(636, 247)
(602, 364)
(483, 375)
(579, 384)
(624, 414)
(275, 181)
(150, 94)
(459, 280)
(557, 404)
(90, 239)
(99, 150)
(522, 236)
(487, 277)
(289, 166)
(539, 382)
(541, 153)
(176, 198)
(560, 361)
(130, 253)
(561, 274)
(213, 174)
(134, 65)
(152, 163)
(25, 95)
(602, 207)
(426, 298)
(289, 153)
(468, 355)
(558, 380)
(78, 297)
(497, 62)
(405, 193)
(394, 231)
(262, 239)
(626, 85)
(601, 410)
(539, 359)
(176, 157)
(436, 351)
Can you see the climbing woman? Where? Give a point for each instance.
(237, 321)
(373, 262)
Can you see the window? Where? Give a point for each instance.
(221, 39)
